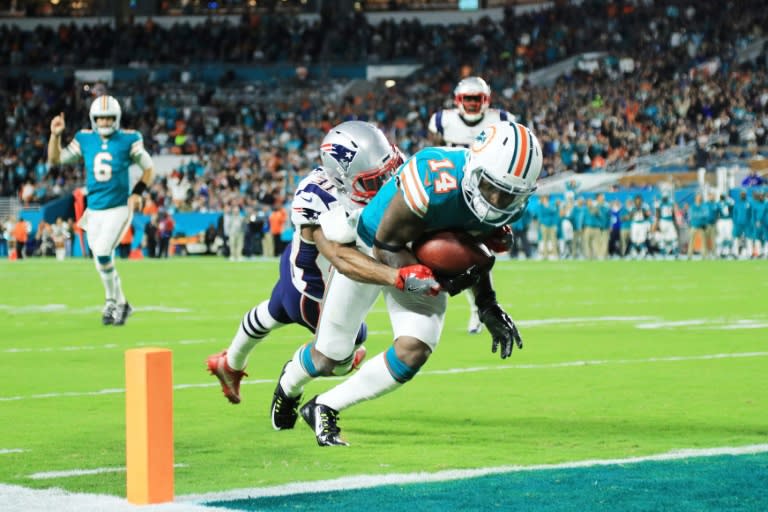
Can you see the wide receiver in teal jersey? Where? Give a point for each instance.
(107, 152)
(478, 190)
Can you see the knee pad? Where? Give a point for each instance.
(104, 263)
(400, 371)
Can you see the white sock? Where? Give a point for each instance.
(253, 328)
(119, 296)
(108, 279)
(295, 376)
(371, 381)
(239, 349)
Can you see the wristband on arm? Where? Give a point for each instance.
(139, 188)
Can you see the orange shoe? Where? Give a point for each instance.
(229, 378)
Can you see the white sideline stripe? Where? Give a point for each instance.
(61, 308)
(475, 369)
(108, 346)
(368, 481)
(4, 451)
(45, 475)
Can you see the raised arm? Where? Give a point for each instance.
(54, 142)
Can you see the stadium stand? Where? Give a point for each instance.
(640, 90)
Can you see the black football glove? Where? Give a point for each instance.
(457, 284)
(502, 329)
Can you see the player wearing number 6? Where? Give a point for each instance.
(107, 152)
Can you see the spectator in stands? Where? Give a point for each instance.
(753, 179)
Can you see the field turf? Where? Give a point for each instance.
(621, 359)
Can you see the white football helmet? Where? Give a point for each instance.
(472, 97)
(105, 106)
(359, 159)
(500, 174)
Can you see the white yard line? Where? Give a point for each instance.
(641, 322)
(63, 308)
(46, 475)
(368, 481)
(565, 364)
(106, 346)
(4, 451)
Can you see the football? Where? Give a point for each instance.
(449, 253)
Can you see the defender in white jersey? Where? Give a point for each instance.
(458, 127)
(357, 159)
(106, 152)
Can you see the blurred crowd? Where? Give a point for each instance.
(670, 78)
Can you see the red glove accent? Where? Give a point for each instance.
(417, 279)
(498, 240)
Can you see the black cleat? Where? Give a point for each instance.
(322, 419)
(122, 312)
(108, 313)
(284, 410)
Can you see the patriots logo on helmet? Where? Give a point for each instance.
(341, 154)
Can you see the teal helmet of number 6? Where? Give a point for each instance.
(502, 167)
(105, 106)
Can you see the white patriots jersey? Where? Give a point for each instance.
(315, 195)
(456, 132)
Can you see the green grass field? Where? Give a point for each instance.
(621, 359)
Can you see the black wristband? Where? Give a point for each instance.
(391, 248)
(139, 188)
(485, 300)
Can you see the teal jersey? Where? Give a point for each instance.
(577, 217)
(549, 216)
(430, 184)
(712, 208)
(742, 212)
(666, 210)
(592, 217)
(759, 213)
(725, 208)
(106, 163)
(698, 215)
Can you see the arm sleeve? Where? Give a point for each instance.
(140, 155)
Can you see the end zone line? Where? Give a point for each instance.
(368, 481)
(450, 371)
